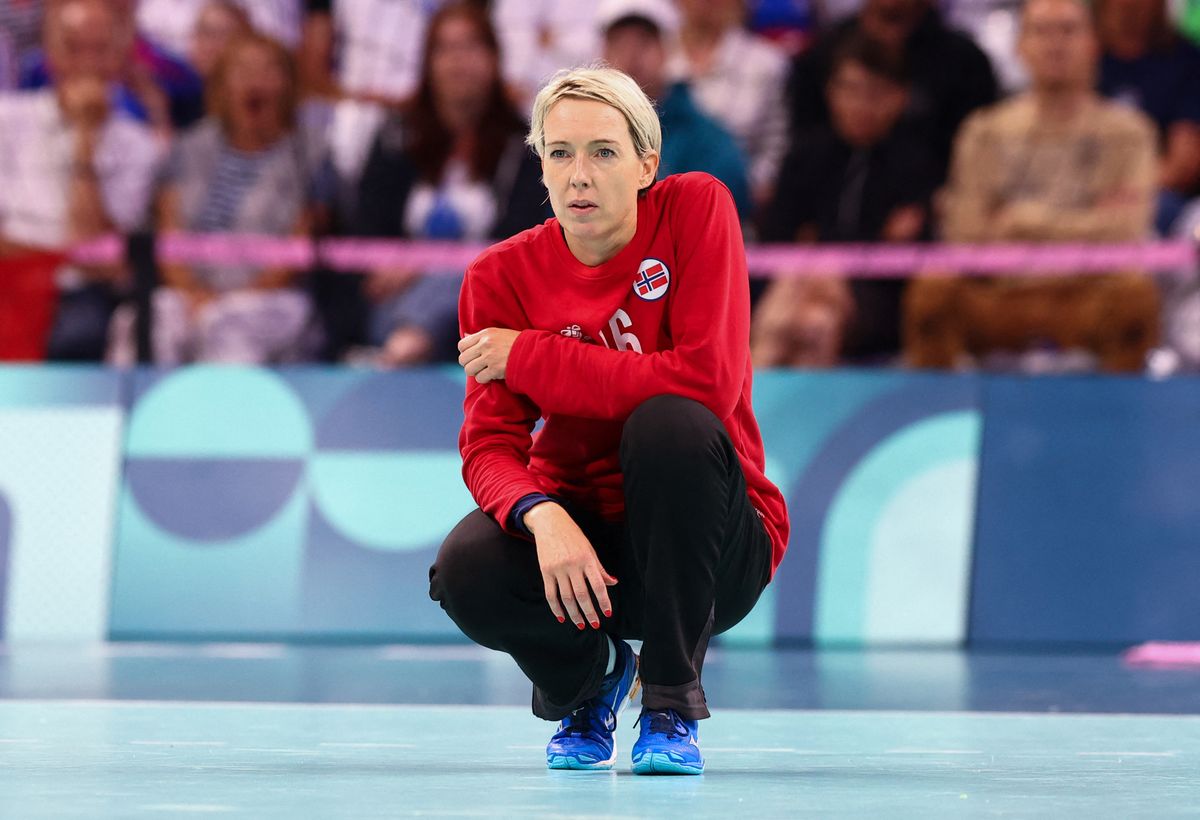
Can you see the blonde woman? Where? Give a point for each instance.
(642, 510)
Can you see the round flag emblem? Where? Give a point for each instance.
(652, 280)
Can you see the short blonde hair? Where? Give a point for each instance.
(602, 84)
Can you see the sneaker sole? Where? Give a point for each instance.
(574, 764)
(663, 763)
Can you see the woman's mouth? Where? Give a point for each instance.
(582, 206)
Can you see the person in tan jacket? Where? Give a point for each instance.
(1055, 164)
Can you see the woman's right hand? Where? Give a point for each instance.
(569, 566)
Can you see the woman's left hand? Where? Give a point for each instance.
(484, 355)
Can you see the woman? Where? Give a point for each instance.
(624, 323)
(451, 166)
(242, 170)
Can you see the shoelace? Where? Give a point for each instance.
(665, 722)
(588, 720)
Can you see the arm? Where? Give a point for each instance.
(1122, 213)
(175, 275)
(276, 278)
(969, 201)
(709, 318)
(1180, 166)
(496, 432)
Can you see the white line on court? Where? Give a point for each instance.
(1127, 754)
(177, 743)
(198, 808)
(371, 745)
(932, 752)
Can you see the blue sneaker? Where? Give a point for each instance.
(668, 744)
(584, 739)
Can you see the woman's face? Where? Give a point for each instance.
(592, 172)
(215, 28)
(461, 65)
(256, 85)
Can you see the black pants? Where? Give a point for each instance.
(691, 560)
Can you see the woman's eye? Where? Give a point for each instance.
(606, 153)
(558, 153)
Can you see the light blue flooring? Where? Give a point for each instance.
(98, 759)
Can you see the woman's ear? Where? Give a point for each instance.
(650, 161)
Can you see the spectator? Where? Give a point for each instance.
(951, 77)
(155, 87)
(738, 78)
(218, 23)
(243, 169)
(20, 28)
(1057, 163)
(453, 165)
(634, 32)
(539, 37)
(376, 47)
(1147, 65)
(861, 178)
(74, 168)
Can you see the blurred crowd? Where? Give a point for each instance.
(830, 121)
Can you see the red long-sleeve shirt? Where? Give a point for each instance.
(669, 314)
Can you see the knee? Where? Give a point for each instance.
(671, 430)
(464, 576)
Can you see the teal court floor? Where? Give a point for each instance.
(265, 731)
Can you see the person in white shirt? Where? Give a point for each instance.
(738, 78)
(75, 169)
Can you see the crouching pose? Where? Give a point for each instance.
(640, 509)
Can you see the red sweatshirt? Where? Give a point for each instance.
(669, 314)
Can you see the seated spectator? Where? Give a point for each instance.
(738, 78)
(634, 32)
(74, 168)
(861, 178)
(218, 23)
(453, 165)
(20, 30)
(243, 169)
(539, 37)
(1058, 163)
(1146, 64)
(155, 87)
(951, 77)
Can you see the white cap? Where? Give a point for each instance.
(661, 13)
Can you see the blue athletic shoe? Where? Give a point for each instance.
(584, 739)
(668, 744)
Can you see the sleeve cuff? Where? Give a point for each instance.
(516, 518)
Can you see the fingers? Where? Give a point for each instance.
(470, 354)
(552, 599)
(570, 601)
(469, 340)
(474, 368)
(580, 585)
(596, 576)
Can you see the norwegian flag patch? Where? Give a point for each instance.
(652, 280)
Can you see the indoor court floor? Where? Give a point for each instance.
(254, 730)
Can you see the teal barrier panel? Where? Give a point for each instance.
(309, 504)
(60, 455)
